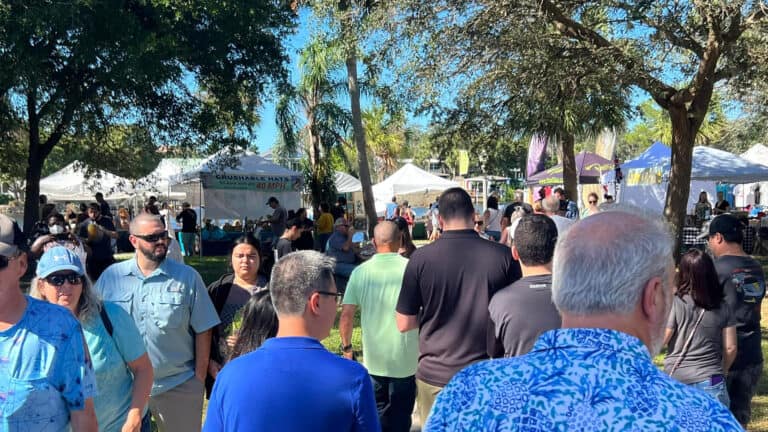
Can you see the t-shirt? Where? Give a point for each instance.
(494, 220)
(391, 207)
(744, 285)
(110, 356)
(105, 210)
(283, 247)
(704, 357)
(292, 384)
(521, 312)
(188, 219)
(448, 285)
(325, 224)
(279, 217)
(338, 211)
(101, 247)
(374, 287)
(335, 244)
(44, 373)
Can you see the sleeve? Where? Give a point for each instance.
(213, 417)
(108, 224)
(126, 335)
(672, 320)
(409, 302)
(366, 415)
(351, 296)
(495, 333)
(203, 316)
(74, 371)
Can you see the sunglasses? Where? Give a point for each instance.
(593, 202)
(59, 279)
(153, 238)
(4, 260)
(328, 293)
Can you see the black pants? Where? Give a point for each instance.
(395, 398)
(742, 384)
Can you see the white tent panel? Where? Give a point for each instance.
(70, 184)
(346, 183)
(410, 179)
(747, 194)
(652, 197)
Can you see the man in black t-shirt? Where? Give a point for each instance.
(524, 310)
(445, 294)
(340, 209)
(744, 285)
(188, 219)
(98, 233)
(284, 244)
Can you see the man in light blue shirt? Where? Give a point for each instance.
(174, 314)
(596, 373)
(46, 380)
(391, 209)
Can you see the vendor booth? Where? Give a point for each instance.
(158, 182)
(589, 168)
(408, 180)
(751, 194)
(72, 184)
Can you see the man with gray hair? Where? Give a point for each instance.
(596, 373)
(292, 383)
(551, 207)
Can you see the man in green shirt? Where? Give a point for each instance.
(391, 357)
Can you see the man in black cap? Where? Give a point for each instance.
(744, 285)
(278, 218)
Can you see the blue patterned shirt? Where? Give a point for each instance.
(575, 380)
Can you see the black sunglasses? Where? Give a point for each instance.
(593, 202)
(4, 260)
(59, 279)
(153, 238)
(328, 293)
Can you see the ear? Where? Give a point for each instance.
(23, 264)
(653, 300)
(133, 241)
(313, 304)
(515, 254)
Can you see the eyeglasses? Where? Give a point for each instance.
(59, 279)
(593, 202)
(153, 238)
(4, 260)
(338, 295)
(478, 222)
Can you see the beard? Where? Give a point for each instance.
(156, 253)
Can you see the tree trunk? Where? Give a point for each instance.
(683, 136)
(570, 182)
(35, 162)
(359, 135)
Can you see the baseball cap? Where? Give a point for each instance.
(271, 200)
(57, 259)
(11, 237)
(725, 224)
(340, 221)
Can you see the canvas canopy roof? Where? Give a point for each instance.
(410, 179)
(159, 180)
(346, 183)
(589, 168)
(71, 184)
(758, 153)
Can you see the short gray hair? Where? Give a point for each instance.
(551, 204)
(89, 305)
(603, 262)
(295, 276)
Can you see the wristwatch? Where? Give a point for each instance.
(346, 348)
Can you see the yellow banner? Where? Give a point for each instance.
(463, 162)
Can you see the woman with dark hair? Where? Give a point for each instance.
(701, 330)
(492, 218)
(406, 246)
(259, 323)
(230, 294)
(305, 241)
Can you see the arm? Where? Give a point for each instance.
(668, 335)
(142, 386)
(486, 218)
(406, 322)
(345, 327)
(729, 347)
(84, 420)
(202, 354)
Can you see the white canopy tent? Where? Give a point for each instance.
(408, 179)
(710, 166)
(346, 183)
(72, 184)
(158, 182)
(750, 193)
(234, 185)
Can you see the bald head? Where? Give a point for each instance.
(550, 205)
(144, 223)
(387, 237)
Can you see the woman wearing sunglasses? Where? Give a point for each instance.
(120, 361)
(592, 208)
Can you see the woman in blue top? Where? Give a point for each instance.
(122, 367)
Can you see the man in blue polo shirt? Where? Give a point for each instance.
(174, 314)
(292, 383)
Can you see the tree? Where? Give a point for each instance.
(191, 73)
(385, 139)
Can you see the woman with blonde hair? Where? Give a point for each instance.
(120, 362)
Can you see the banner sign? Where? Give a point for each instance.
(265, 183)
(537, 154)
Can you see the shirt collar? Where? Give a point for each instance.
(293, 342)
(595, 338)
(133, 269)
(464, 233)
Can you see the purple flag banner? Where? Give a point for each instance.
(537, 151)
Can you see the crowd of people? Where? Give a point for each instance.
(546, 321)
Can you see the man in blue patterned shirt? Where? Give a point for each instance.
(595, 374)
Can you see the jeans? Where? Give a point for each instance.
(395, 398)
(717, 391)
(188, 243)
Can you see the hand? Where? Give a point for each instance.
(200, 376)
(349, 355)
(231, 341)
(132, 422)
(213, 368)
(351, 231)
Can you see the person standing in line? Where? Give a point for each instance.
(701, 330)
(446, 290)
(295, 371)
(278, 218)
(292, 232)
(104, 208)
(46, 379)
(743, 282)
(188, 220)
(492, 218)
(523, 311)
(390, 356)
(99, 234)
(592, 206)
(120, 361)
(391, 209)
(324, 226)
(171, 307)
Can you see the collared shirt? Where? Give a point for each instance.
(576, 379)
(169, 307)
(292, 384)
(374, 286)
(44, 371)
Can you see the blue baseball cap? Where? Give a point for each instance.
(57, 259)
